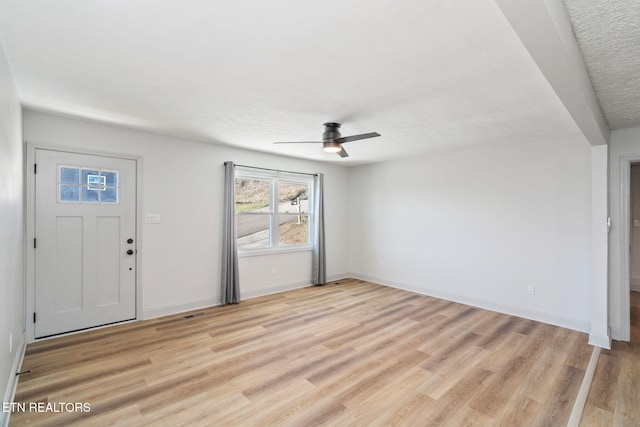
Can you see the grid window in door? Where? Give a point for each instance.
(87, 185)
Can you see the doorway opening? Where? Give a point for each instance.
(634, 252)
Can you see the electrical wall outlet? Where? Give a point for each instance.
(531, 290)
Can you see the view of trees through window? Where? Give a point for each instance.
(271, 212)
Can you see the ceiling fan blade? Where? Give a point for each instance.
(342, 153)
(357, 137)
(298, 142)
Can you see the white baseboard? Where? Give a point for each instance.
(602, 341)
(336, 277)
(167, 310)
(269, 290)
(276, 289)
(12, 384)
(538, 316)
(616, 334)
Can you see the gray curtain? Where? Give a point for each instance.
(230, 285)
(318, 263)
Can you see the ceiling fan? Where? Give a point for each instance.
(332, 140)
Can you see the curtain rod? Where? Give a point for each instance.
(273, 170)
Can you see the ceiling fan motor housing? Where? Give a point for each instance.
(331, 131)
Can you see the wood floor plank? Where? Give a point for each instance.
(556, 410)
(596, 417)
(520, 407)
(448, 374)
(411, 411)
(614, 396)
(378, 405)
(349, 353)
(458, 397)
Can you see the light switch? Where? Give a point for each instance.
(636, 222)
(152, 218)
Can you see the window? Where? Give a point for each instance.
(87, 185)
(272, 211)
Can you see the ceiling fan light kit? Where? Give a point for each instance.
(331, 147)
(332, 140)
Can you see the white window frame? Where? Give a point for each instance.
(274, 178)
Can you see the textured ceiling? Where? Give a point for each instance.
(608, 33)
(429, 75)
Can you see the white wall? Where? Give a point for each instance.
(479, 226)
(11, 229)
(182, 180)
(623, 149)
(599, 333)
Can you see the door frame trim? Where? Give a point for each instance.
(30, 148)
(625, 239)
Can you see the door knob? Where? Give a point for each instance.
(130, 252)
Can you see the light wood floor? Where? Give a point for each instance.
(348, 353)
(614, 397)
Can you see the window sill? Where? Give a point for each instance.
(273, 251)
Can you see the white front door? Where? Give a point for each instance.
(85, 249)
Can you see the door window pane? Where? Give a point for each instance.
(109, 195)
(95, 182)
(89, 195)
(69, 193)
(111, 178)
(89, 191)
(109, 183)
(69, 175)
(85, 175)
